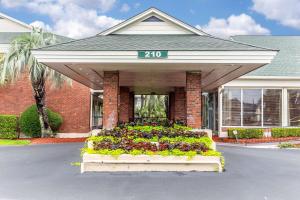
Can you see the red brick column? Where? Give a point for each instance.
(124, 104)
(180, 104)
(171, 106)
(193, 99)
(110, 99)
(131, 106)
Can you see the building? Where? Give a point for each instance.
(211, 82)
(267, 97)
(73, 103)
(154, 53)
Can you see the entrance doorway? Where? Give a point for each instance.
(151, 108)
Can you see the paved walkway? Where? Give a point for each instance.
(42, 172)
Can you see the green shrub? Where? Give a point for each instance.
(285, 132)
(8, 126)
(285, 145)
(30, 124)
(246, 133)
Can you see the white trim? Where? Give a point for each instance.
(270, 77)
(227, 57)
(4, 48)
(242, 106)
(220, 105)
(145, 14)
(284, 107)
(91, 110)
(16, 21)
(265, 82)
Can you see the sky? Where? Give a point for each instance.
(222, 18)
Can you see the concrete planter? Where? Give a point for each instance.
(127, 162)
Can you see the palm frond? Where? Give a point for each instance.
(20, 59)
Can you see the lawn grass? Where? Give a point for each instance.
(14, 142)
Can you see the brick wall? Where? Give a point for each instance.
(180, 104)
(72, 102)
(171, 106)
(193, 100)
(131, 106)
(124, 104)
(110, 99)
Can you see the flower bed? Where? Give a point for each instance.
(152, 141)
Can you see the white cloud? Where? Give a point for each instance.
(234, 25)
(286, 12)
(137, 5)
(72, 18)
(42, 25)
(125, 8)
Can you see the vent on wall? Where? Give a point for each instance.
(152, 19)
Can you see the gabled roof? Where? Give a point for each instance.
(153, 42)
(148, 13)
(7, 37)
(2, 15)
(287, 60)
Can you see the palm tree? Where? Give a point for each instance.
(19, 59)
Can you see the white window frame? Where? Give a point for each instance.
(287, 107)
(284, 106)
(91, 106)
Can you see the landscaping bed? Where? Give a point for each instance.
(5, 142)
(151, 148)
(254, 140)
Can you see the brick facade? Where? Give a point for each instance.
(131, 106)
(180, 104)
(193, 99)
(72, 102)
(124, 104)
(110, 99)
(171, 114)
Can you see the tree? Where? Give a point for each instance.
(20, 59)
(152, 106)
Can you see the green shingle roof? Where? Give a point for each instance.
(287, 60)
(7, 37)
(152, 42)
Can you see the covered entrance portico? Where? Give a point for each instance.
(184, 98)
(153, 53)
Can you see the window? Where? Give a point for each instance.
(153, 19)
(255, 107)
(232, 107)
(293, 107)
(252, 107)
(97, 110)
(272, 102)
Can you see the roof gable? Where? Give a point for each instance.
(153, 21)
(9, 24)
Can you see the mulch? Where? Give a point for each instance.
(254, 141)
(215, 138)
(53, 140)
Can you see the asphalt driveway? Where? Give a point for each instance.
(45, 172)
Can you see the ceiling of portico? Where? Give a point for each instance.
(147, 78)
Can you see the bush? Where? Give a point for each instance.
(246, 133)
(150, 140)
(285, 145)
(285, 132)
(30, 123)
(8, 126)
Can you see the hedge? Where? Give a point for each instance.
(246, 133)
(30, 124)
(285, 132)
(8, 126)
